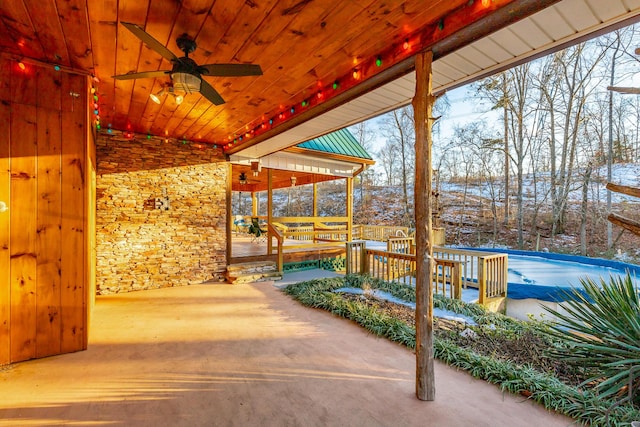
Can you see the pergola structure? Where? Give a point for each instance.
(325, 65)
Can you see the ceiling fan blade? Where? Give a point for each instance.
(142, 75)
(150, 41)
(210, 93)
(231, 70)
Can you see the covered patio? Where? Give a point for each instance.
(238, 356)
(335, 157)
(110, 184)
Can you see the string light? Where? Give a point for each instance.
(22, 65)
(360, 66)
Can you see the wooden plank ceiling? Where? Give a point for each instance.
(303, 47)
(554, 27)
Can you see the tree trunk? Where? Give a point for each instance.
(505, 118)
(583, 220)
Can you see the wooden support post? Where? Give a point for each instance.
(315, 200)
(422, 108)
(269, 207)
(349, 208)
(229, 203)
(254, 203)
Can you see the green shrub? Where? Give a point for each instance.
(601, 329)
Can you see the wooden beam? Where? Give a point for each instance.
(269, 206)
(623, 189)
(229, 203)
(626, 223)
(422, 108)
(333, 156)
(349, 208)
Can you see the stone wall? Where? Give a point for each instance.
(142, 247)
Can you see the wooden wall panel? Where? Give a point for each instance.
(23, 232)
(73, 296)
(44, 248)
(90, 225)
(5, 183)
(49, 234)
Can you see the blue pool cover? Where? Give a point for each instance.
(547, 276)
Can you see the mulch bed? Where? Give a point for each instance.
(525, 348)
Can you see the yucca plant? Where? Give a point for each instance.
(601, 328)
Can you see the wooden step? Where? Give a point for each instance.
(249, 272)
(252, 278)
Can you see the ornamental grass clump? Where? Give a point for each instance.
(600, 329)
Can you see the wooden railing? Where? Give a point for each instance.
(310, 232)
(380, 233)
(486, 271)
(276, 232)
(454, 269)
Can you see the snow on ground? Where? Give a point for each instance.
(622, 173)
(437, 312)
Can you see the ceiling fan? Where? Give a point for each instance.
(243, 179)
(186, 74)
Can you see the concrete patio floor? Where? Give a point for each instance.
(243, 355)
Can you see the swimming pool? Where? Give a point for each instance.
(537, 279)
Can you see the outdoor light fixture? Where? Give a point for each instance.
(256, 167)
(243, 178)
(155, 97)
(293, 181)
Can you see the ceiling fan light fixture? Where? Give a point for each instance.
(185, 82)
(179, 99)
(242, 178)
(293, 181)
(155, 97)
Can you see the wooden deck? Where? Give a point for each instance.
(244, 249)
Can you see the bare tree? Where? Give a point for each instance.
(365, 136)
(399, 129)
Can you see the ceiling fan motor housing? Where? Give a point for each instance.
(186, 82)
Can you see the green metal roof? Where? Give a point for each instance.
(338, 142)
